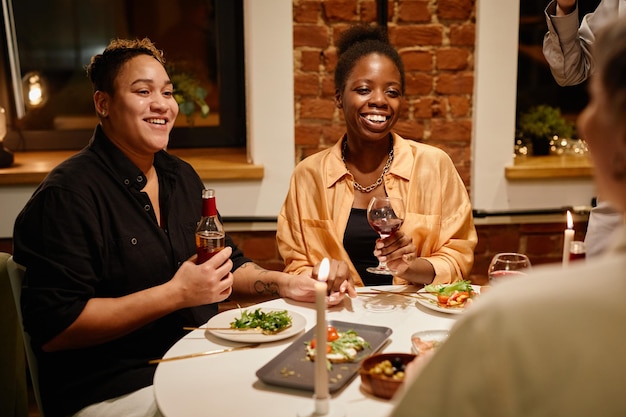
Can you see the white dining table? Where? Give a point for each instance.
(226, 384)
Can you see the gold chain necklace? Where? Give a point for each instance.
(379, 181)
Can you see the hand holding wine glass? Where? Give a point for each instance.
(385, 215)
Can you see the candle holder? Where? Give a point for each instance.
(322, 408)
(6, 156)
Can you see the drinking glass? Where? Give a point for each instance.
(508, 264)
(577, 250)
(385, 215)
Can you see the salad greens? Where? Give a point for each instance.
(448, 289)
(269, 322)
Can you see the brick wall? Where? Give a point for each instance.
(542, 242)
(435, 39)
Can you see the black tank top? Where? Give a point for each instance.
(359, 240)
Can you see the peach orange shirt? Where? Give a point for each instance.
(438, 216)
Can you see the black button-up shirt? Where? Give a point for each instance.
(90, 231)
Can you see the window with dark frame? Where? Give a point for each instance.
(535, 83)
(50, 43)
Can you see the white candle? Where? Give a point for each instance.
(568, 237)
(321, 371)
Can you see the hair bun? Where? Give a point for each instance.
(361, 33)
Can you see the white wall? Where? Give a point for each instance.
(270, 108)
(270, 111)
(494, 121)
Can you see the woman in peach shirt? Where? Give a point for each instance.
(324, 214)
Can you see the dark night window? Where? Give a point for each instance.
(49, 43)
(535, 83)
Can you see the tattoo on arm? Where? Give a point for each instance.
(255, 266)
(270, 288)
(261, 287)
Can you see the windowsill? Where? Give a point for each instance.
(549, 167)
(30, 168)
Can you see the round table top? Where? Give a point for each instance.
(226, 384)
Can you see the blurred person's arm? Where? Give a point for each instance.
(251, 280)
(567, 54)
(566, 45)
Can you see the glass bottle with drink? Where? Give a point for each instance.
(210, 236)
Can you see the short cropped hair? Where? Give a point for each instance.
(104, 67)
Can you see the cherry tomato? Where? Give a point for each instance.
(442, 299)
(332, 333)
(328, 347)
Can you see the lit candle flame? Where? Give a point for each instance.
(570, 221)
(322, 274)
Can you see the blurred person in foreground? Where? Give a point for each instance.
(567, 49)
(550, 343)
(108, 242)
(325, 211)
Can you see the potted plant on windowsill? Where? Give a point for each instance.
(540, 124)
(189, 94)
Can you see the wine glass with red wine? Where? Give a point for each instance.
(509, 264)
(385, 215)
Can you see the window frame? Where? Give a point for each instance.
(494, 111)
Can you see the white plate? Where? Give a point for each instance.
(430, 301)
(298, 322)
(428, 336)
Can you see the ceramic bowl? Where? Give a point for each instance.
(430, 337)
(382, 385)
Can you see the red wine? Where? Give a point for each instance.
(208, 244)
(499, 275)
(577, 250)
(386, 227)
(576, 256)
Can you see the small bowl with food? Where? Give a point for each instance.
(426, 340)
(382, 374)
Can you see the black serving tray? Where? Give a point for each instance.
(292, 369)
